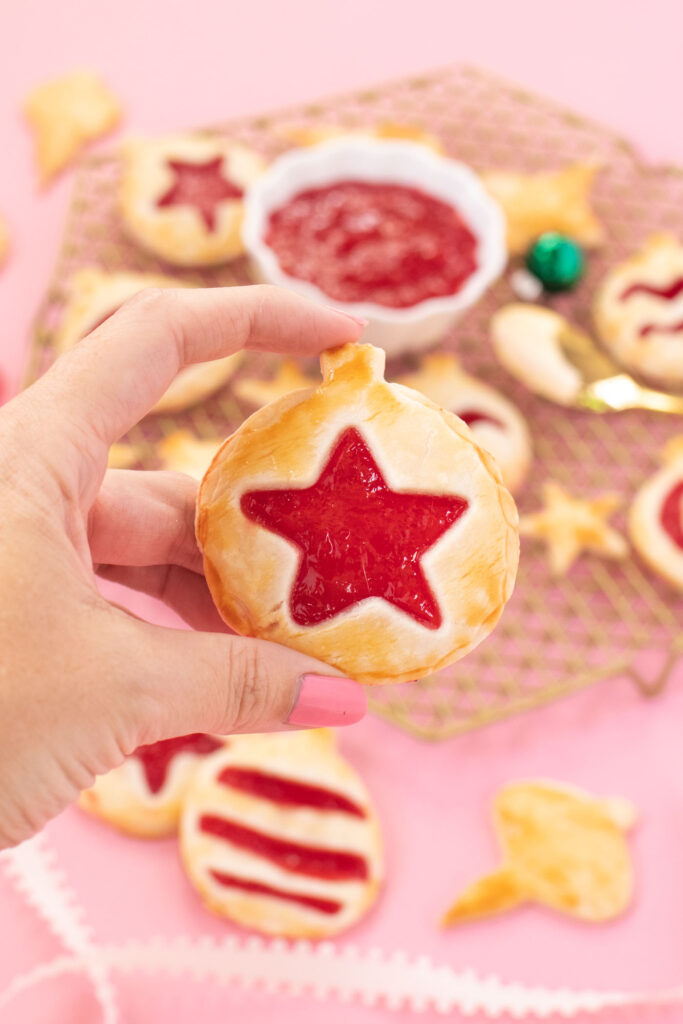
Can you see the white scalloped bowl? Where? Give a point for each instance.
(404, 163)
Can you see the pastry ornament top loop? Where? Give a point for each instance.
(359, 523)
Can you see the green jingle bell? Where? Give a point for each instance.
(557, 261)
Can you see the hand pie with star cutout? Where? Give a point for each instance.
(496, 424)
(360, 524)
(144, 795)
(278, 834)
(288, 377)
(553, 201)
(65, 114)
(569, 526)
(638, 311)
(562, 848)
(655, 521)
(181, 197)
(93, 295)
(182, 452)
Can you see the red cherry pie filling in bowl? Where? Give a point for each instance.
(388, 231)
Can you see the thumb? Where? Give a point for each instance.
(210, 682)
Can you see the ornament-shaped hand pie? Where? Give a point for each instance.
(656, 518)
(562, 848)
(358, 523)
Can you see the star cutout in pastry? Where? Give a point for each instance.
(555, 201)
(65, 114)
(571, 525)
(358, 538)
(288, 378)
(200, 185)
(562, 848)
(156, 758)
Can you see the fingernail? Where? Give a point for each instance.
(359, 320)
(328, 700)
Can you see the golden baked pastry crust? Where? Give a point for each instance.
(419, 448)
(65, 113)
(177, 233)
(305, 757)
(505, 435)
(312, 135)
(620, 321)
(289, 377)
(654, 545)
(182, 452)
(94, 294)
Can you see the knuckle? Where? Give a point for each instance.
(247, 688)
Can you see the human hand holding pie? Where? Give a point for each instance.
(84, 683)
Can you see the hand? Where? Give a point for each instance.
(83, 682)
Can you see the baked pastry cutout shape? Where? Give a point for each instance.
(312, 135)
(182, 452)
(289, 377)
(143, 796)
(562, 848)
(638, 311)
(65, 114)
(181, 197)
(569, 526)
(360, 524)
(528, 342)
(278, 834)
(552, 201)
(495, 422)
(655, 521)
(93, 295)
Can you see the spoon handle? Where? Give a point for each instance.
(622, 392)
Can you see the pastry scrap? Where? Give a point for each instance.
(638, 311)
(552, 201)
(143, 796)
(656, 517)
(93, 295)
(123, 456)
(181, 197)
(288, 377)
(569, 526)
(562, 848)
(527, 341)
(311, 135)
(182, 452)
(278, 834)
(65, 114)
(360, 524)
(497, 425)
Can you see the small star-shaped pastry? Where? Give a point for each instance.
(571, 525)
(65, 114)
(554, 201)
(287, 378)
(184, 453)
(562, 848)
(4, 241)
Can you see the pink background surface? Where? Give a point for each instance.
(176, 66)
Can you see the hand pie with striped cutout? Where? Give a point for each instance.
(655, 521)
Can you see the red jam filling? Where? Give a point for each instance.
(314, 902)
(156, 757)
(357, 538)
(472, 416)
(334, 865)
(666, 292)
(365, 242)
(288, 791)
(200, 185)
(671, 515)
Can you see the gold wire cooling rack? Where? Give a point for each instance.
(604, 619)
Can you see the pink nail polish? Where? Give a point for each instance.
(359, 320)
(327, 700)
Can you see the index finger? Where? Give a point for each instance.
(112, 378)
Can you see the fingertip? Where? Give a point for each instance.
(327, 701)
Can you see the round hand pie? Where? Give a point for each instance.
(93, 295)
(358, 523)
(181, 197)
(144, 795)
(656, 517)
(639, 311)
(278, 834)
(495, 423)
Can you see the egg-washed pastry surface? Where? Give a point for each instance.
(279, 834)
(359, 523)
